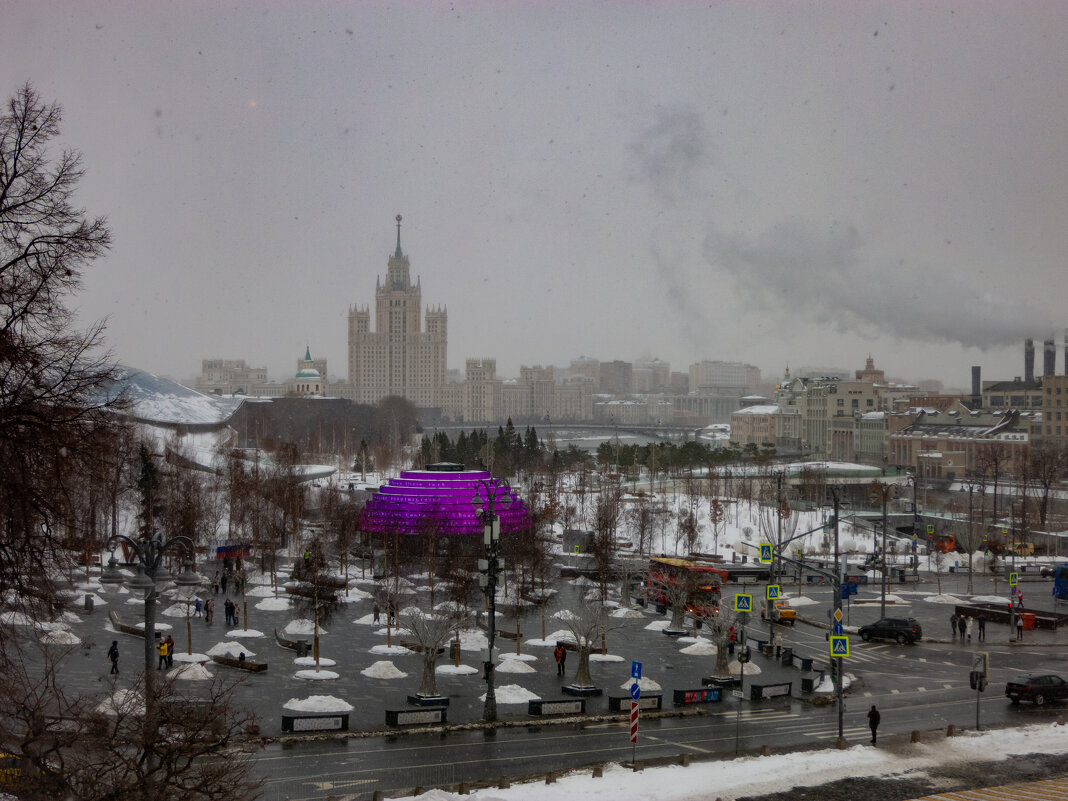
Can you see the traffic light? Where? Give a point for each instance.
(834, 670)
(977, 680)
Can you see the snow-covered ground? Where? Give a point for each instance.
(752, 776)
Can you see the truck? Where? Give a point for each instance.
(781, 612)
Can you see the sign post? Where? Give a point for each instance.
(635, 699)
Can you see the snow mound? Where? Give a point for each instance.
(391, 650)
(317, 675)
(565, 614)
(60, 637)
(231, 649)
(274, 605)
(801, 600)
(826, 687)
(251, 634)
(303, 626)
(473, 641)
(627, 614)
(309, 661)
(605, 658)
(658, 625)
(563, 635)
(194, 657)
(700, 648)
(988, 599)
(943, 599)
(262, 591)
(646, 684)
(735, 668)
(367, 620)
(192, 671)
(318, 703)
(122, 702)
(512, 694)
(16, 619)
(383, 670)
(455, 670)
(520, 657)
(514, 666)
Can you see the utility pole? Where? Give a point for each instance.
(838, 615)
(489, 567)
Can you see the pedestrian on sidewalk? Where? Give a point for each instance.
(962, 626)
(873, 721)
(376, 612)
(982, 627)
(113, 655)
(968, 626)
(953, 626)
(778, 644)
(1019, 628)
(161, 651)
(560, 652)
(732, 638)
(196, 608)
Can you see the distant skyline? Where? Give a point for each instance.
(769, 182)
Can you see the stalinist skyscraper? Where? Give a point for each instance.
(397, 358)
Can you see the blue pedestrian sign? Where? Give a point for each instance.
(838, 629)
(635, 670)
(743, 602)
(774, 592)
(635, 691)
(765, 553)
(839, 645)
(1014, 579)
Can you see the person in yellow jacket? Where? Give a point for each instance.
(161, 649)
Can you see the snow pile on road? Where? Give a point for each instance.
(658, 625)
(605, 658)
(943, 599)
(317, 675)
(60, 637)
(735, 668)
(700, 648)
(827, 686)
(626, 613)
(318, 703)
(512, 694)
(274, 605)
(391, 650)
(520, 657)
(383, 670)
(309, 661)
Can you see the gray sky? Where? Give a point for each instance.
(769, 182)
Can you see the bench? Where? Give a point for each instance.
(315, 721)
(566, 706)
(621, 703)
(758, 692)
(705, 695)
(241, 664)
(415, 717)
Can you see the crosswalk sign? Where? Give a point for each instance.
(743, 602)
(1014, 579)
(839, 645)
(774, 591)
(765, 553)
(930, 528)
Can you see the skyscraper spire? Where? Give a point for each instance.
(398, 254)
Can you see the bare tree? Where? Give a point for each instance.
(992, 461)
(317, 591)
(431, 630)
(718, 623)
(1048, 464)
(55, 378)
(587, 625)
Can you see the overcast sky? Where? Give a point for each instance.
(769, 182)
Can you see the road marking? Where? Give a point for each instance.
(339, 785)
(921, 689)
(867, 695)
(947, 686)
(677, 744)
(895, 692)
(923, 658)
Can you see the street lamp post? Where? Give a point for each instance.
(485, 503)
(883, 493)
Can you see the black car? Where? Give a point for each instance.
(1037, 689)
(901, 629)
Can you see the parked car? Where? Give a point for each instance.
(900, 629)
(1037, 689)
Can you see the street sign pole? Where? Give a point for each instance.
(838, 616)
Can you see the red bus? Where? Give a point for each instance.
(702, 583)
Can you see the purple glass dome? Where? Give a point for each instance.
(452, 498)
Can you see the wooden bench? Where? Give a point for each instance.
(241, 664)
(125, 628)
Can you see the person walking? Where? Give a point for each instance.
(170, 651)
(161, 651)
(873, 721)
(222, 582)
(982, 627)
(778, 644)
(196, 608)
(969, 624)
(561, 657)
(953, 625)
(732, 638)
(215, 584)
(376, 613)
(962, 626)
(1019, 628)
(113, 655)
(209, 611)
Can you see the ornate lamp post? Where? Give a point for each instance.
(151, 577)
(485, 503)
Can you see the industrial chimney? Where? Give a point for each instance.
(1029, 360)
(1066, 351)
(1049, 357)
(977, 384)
